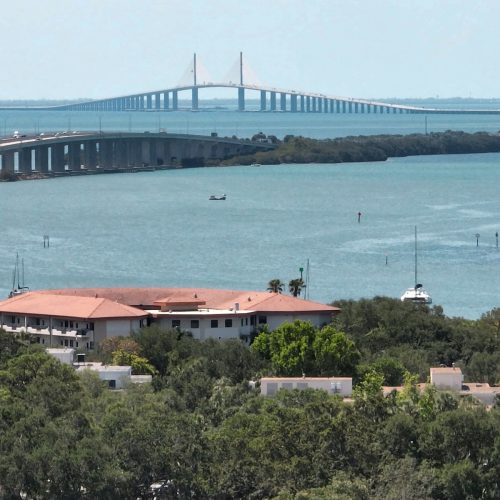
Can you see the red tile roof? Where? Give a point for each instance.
(82, 307)
(213, 298)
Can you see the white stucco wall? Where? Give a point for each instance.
(341, 386)
(448, 378)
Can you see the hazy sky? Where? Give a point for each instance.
(360, 48)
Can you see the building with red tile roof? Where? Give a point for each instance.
(80, 317)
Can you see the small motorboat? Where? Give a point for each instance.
(255, 165)
(217, 197)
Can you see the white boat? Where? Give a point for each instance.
(416, 294)
(215, 197)
(255, 165)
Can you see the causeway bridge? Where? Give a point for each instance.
(271, 99)
(98, 152)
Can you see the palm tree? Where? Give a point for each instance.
(275, 285)
(295, 286)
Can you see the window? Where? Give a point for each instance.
(252, 320)
(228, 323)
(246, 321)
(112, 384)
(272, 388)
(195, 323)
(176, 323)
(241, 321)
(214, 323)
(262, 320)
(71, 343)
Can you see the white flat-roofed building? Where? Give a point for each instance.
(117, 377)
(65, 355)
(341, 386)
(447, 378)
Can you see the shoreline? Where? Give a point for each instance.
(303, 150)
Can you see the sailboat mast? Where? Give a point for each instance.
(17, 271)
(416, 282)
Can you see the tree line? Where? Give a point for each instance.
(200, 430)
(298, 149)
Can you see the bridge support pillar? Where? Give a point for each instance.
(282, 101)
(57, 162)
(121, 154)
(293, 103)
(105, 153)
(135, 152)
(175, 100)
(149, 101)
(263, 102)
(146, 153)
(25, 160)
(273, 101)
(42, 159)
(241, 99)
(159, 152)
(158, 101)
(308, 104)
(8, 162)
(90, 154)
(194, 98)
(165, 100)
(302, 104)
(74, 160)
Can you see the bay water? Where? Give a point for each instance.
(160, 229)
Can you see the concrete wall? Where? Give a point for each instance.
(447, 378)
(341, 386)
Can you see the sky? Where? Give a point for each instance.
(59, 49)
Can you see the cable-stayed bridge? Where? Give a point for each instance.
(270, 98)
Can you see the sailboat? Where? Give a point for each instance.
(416, 294)
(20, 288)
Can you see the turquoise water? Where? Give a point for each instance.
(160, 229)
(228, 123)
